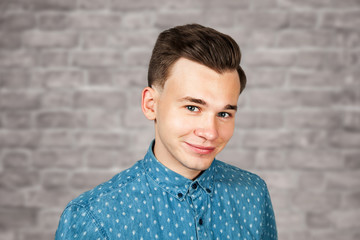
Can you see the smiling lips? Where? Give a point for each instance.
(200, 149)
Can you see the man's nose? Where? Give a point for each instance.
(207, 128)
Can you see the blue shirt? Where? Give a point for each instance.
(149, 201)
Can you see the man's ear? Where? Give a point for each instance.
(148, 102)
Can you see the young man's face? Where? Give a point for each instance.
(195, 116)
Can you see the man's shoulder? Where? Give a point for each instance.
(117, 182)
(235, 176)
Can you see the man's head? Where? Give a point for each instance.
(201, 44)
(192, 96)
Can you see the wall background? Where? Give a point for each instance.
(71, 72)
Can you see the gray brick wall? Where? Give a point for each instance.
(71, 72)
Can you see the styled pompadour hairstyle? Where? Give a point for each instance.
(194, 42)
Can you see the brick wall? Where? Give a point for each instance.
(71, 72)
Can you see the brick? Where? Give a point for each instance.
(17, 217)
(254, 120)
(316, 201)
(18, 179)
(100, 158)
(305, 38)
(265, 4)
(89, 180)
(283, 180)
(101, 21)
(270, 58)
(312, 180)
(105, 100)
(303, 119)
(240, 158)
(138, 20)
(319, 59)
(344, 139)
(310, 139)
(144, 38)
(53, 21)
(49, 219)
(133, 77)
(352, 160)
(10, 41)
(224, 18)
(136, 118)
(346, 219)
(11, 198)
(270, 99)
(109, 120)
(102, 77)
(55, 180)
(336, 233)
(351, 120)
(271, 159)
(37, 234)
(341, 20)
(137, 58)
(52, 58)
(183, 5)
(103, 40)
(19, 139)
(41, 39)
(123, 5)
(290, 219)
(315, 79)
(317, 98)
(57, 138)
(93, 4)
(61, 79)
(342, 180)
(101, 139)
(7, 235)
(14, 79)
(97, 59)
(350, 95)
(59, 119)
(242, 4)
(58, 159)
(48, 198)
(18, 120)
(315, 220)
(303, 19)
(16, 160)
(265, 78)
(42, 5)
(19, 100)
(351, 200)
(16, 59)
(267, 139)
(17, 21)
(57, 99)
(317, 159)
(308, 4)
(165, 20)
(263, 19)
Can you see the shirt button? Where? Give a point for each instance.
(194, 186)
(208, 190)
(200, 221)
(180, 195)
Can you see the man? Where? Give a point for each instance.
(179, 190)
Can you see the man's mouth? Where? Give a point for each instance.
(200, 149)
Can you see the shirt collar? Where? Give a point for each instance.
(174, 183)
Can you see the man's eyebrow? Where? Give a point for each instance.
(194, 100)
(231, 107)
(202, 102)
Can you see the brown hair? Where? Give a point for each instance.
(201, 44)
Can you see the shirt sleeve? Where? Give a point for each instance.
(77, 223)
(269, 231)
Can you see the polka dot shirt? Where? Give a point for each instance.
(149, 201)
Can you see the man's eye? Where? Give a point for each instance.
(192, 108)
(224, 115)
